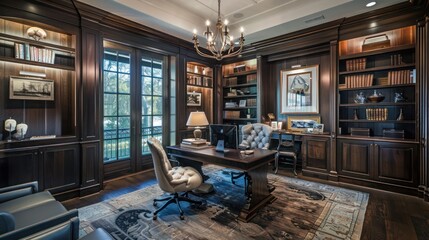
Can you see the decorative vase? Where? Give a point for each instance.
(355, 116)
(376, 97)
(360, 98)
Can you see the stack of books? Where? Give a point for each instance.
(194, 143)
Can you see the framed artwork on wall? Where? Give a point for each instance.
(302, 123)
(26, 88)
(193, 99)
(299, 89)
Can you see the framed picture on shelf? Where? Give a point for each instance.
(318, 128)
(242, 103)
(26, 88)
(274, 125)
(302, 123)
(193, 99)
(300, 90)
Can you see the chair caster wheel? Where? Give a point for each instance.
(154, 217)
(182, 217)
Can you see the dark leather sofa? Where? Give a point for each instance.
(27, 213)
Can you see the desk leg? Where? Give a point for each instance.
(258, 193)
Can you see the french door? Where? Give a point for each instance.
(133, 106)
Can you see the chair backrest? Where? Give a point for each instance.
(161, 165)
(256, 135)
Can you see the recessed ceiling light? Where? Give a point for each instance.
(370, 4)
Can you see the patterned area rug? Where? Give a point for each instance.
(303, 210)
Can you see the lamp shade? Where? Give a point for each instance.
(197, 119)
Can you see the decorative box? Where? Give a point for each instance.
(359, 132)
(239, 68)
(375, 42)
(393, 133)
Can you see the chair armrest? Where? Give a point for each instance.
(43, 225)
(16, 191)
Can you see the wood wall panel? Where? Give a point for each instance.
(91, 58)
(92, 166)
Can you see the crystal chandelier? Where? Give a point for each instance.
(219, 43)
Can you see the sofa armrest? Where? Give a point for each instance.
(16, 191)
(42, 226)
(7, 222)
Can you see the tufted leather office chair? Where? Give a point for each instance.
(172, 179)
(256, 135)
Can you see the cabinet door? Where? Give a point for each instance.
(354, 158)
(397, 163)
(315, 153)
(61, 168)
(19, 167)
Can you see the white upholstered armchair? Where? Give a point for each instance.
(172, 179)
(256, 135)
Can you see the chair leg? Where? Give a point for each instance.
(180, 209)
(176, 198)
(276, 164)
(171, 200)
(294, 165)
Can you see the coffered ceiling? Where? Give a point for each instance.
(261, 19)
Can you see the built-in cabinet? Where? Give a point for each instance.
(316, 152)
(378, 110)
(56, 168)
(240, 93)
(393, 163)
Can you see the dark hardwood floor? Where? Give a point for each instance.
(388, 215)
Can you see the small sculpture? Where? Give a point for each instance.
(21, 130)
(399, 97)
(10, 125)
(355, 116)
(360, 98)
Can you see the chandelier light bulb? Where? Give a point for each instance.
(225, 22)
(231, 38)
(195, 31)
(241, 29)
(207, 23)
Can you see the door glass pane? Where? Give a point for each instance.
(117, 105)
(152, 100)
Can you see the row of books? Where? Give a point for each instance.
(33, 53)
(251, 102)
(197, 80)
(356, 64)
(194, 143)
(401, 77)
(231, 114)
(396, 59)
(377, 114)
(356, 81)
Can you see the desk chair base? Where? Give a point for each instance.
(176, 198)
(276, 162)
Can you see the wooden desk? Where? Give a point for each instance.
(256, 166)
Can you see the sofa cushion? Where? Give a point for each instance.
(25, 202)
(38, 213)
(7, 222)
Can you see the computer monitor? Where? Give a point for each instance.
(223, 136)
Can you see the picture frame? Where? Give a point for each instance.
(300, 90)
(193, 99)
(242, 103)
(301, 123)
(274, 125)
(318, 128)
(27, 88)
(279, 125)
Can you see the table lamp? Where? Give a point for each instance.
(197, 120)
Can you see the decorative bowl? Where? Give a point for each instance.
(375, 98)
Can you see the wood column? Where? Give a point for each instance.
(332, 158)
